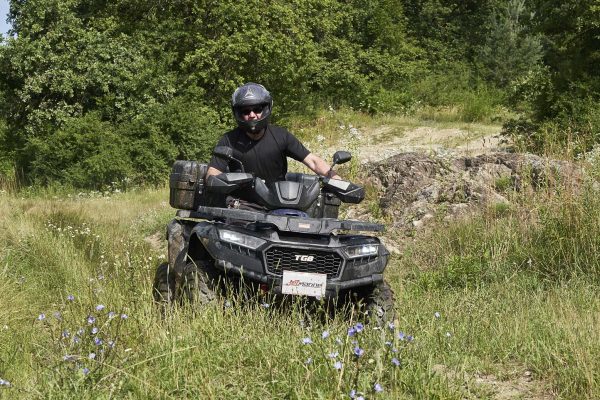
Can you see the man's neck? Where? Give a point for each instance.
(256, 136)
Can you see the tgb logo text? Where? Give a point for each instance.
(300, 257)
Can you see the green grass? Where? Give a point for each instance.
(516, 292)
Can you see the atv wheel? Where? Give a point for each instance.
(379, 304)
(199, 282)
(163, 288)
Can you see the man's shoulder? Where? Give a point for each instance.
(279, 131)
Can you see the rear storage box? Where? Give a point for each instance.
(186, 184)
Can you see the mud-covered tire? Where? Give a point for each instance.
(199, 283)
(163, 288)
(379, 304)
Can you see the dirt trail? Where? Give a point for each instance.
(425, 138)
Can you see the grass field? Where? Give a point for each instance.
(501, 305)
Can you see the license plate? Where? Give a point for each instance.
(304, 283)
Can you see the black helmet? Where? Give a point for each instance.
(246, 96)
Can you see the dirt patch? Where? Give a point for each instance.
(158, 242)
(521, 384)
(425, 139)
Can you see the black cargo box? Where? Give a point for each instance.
(186, 184)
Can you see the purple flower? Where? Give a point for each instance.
(401, 335)
(70, 297)
(448, 334)
(378, 388)
(325, 334)
(437, 314)
(85, 371)
(409, 338)
(41, 317)
(359, 327)
(388, 343)
(76, 339)
(65, 334)
(124, 316)
(97, 341)
(396, 362)
(111, 344)
(91, 319)
(94, 330)
(333, 354)
(360, 398)
(391, 326)
(337, 365)
(4, 382)
(307, 340)
(358, 351)
(100, 307)
(353, 394)
(265, 305)
(111, 314)
(91, 356)
(351, 331)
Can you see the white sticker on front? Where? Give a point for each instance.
(304, 283)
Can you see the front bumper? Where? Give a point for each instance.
(303, 253)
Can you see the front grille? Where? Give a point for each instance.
(322, 262)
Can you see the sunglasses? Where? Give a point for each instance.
(255, 110)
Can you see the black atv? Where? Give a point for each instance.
(287, 241)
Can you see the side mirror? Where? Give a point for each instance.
(223, 152)
(341, 157)
(229, 154)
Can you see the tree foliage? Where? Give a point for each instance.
(85, 82)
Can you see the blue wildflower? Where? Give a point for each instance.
(409, 338)
(307, 340)
(4, 382)
(359, 327)
(437, 314)
(100, 307)
(391, 326)
(41, 317)
(91, 356)
(76, 339)
(396, 362)
(85, 371)
(401, 335)
(358, 351)
(70, 297)
(378, 388)
(333, 354)
(337, 365)
(65, 334)
(111, 344)
(91, 319)
(94, 330)
(111, 315)
(325, 334)
(124, 316)
(351, 331)
(97, 341)
(388, 343)
(265, 305)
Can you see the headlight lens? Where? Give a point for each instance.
(362, 250)
(240, 239)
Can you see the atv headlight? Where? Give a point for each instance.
(362, 250)
(240, 239)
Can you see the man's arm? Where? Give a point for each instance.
(319, 166)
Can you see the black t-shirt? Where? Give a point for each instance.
(266, 157)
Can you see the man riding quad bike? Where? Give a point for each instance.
(269, 227)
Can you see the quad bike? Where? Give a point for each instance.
(291, 244)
